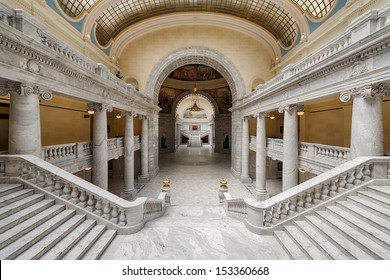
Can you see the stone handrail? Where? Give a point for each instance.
(60, 153)
(267, 216)
(115, 212)
(235, 207)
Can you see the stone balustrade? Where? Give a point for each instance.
(67, 152)
(235, 207)
(116, 213)
(267, 216)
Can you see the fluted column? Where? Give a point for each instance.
(367, 119)
(245, 152)
(144, 151)
(129, 191)
(290, 146)
(100, 152)
(24, 121)
(261, 158)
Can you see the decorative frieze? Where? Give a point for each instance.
(366, 92)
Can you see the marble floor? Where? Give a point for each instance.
(195, 226)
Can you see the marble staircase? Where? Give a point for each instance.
(357, 227)
(33, 226)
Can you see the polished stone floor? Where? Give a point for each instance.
(195, 226)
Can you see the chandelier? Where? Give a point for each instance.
(195, 107)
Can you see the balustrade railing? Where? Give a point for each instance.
(61, 153)
(264, 217)
(115, 212)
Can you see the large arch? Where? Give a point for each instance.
(195, 55)
(204, 94)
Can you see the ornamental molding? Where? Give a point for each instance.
(369, 91)
(10, 87)
(99, 107)
(25, 90)
(261, 115)
(359, 68)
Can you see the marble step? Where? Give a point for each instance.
(20, 205)
(307, 247)
(375, 208)
(100, 245)
(360, 225)
(291, 248)
(383, 191)
(56, 236)
(327, 247)
(26, 213)
(63, 247)
(85, 243)
(376, 198)
(19, 230)
(365, 243)
(9, 188)
(367, 216)
(30, 238)
(345, 245)
(14, 196)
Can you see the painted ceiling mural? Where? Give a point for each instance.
(195, 73)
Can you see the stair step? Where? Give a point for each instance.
(323, 244)
(100, 245)
(20, 205)
(358, 238)
(290, 246)
(46, 243)
(78, 250)
(381, 190)
(371, 206)
(14, 196)
(348, 248)
(16, 232)
(9, 188)
(311, 251)
(21, 216)
(365, 215)
(26, 241)
(376, 198)
(63, 247)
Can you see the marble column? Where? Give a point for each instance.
(24, 119)
(100, 151)
(245, 152)
(261, 158)
(129, 192)
(211, 134)
(290, 146)
(144, 151)
(367, 119)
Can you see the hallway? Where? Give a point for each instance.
(195, 226)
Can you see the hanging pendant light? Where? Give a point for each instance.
(195, 107)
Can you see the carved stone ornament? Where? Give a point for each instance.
(366, 91)
(359, 68)
(291, 108)
(10, 87)
(27, 89)
(33, 66)
(99, 107)
(261, 115)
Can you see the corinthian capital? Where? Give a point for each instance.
(99, 107)
(366, 92)
(10, 87)
(291, 108)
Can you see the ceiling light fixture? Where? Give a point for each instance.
(118, 116)
(272, 116)
(195, 107)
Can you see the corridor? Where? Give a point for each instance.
(195, 226)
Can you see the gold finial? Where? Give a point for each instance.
(223, 184)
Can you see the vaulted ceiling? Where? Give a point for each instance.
(114, 16)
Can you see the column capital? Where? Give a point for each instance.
(99, 106)
(260, 115)
(290, 108)
(25, 90)
(368, 91)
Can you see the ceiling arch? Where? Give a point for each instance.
(195, 55)
(276, 16)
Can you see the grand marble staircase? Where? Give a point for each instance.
(35, 227)
(357, 227)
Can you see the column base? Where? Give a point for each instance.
(235, 173)
(245, 179)
(261, 196)
(143, 179)
(129, 195)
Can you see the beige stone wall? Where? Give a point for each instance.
(250, 57)
(386, 124)
(63, 121)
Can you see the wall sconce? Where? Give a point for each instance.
(118, 116)
(88, 168)
(300, 113)
(302, 170)
(272, 116)
(90, 111)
